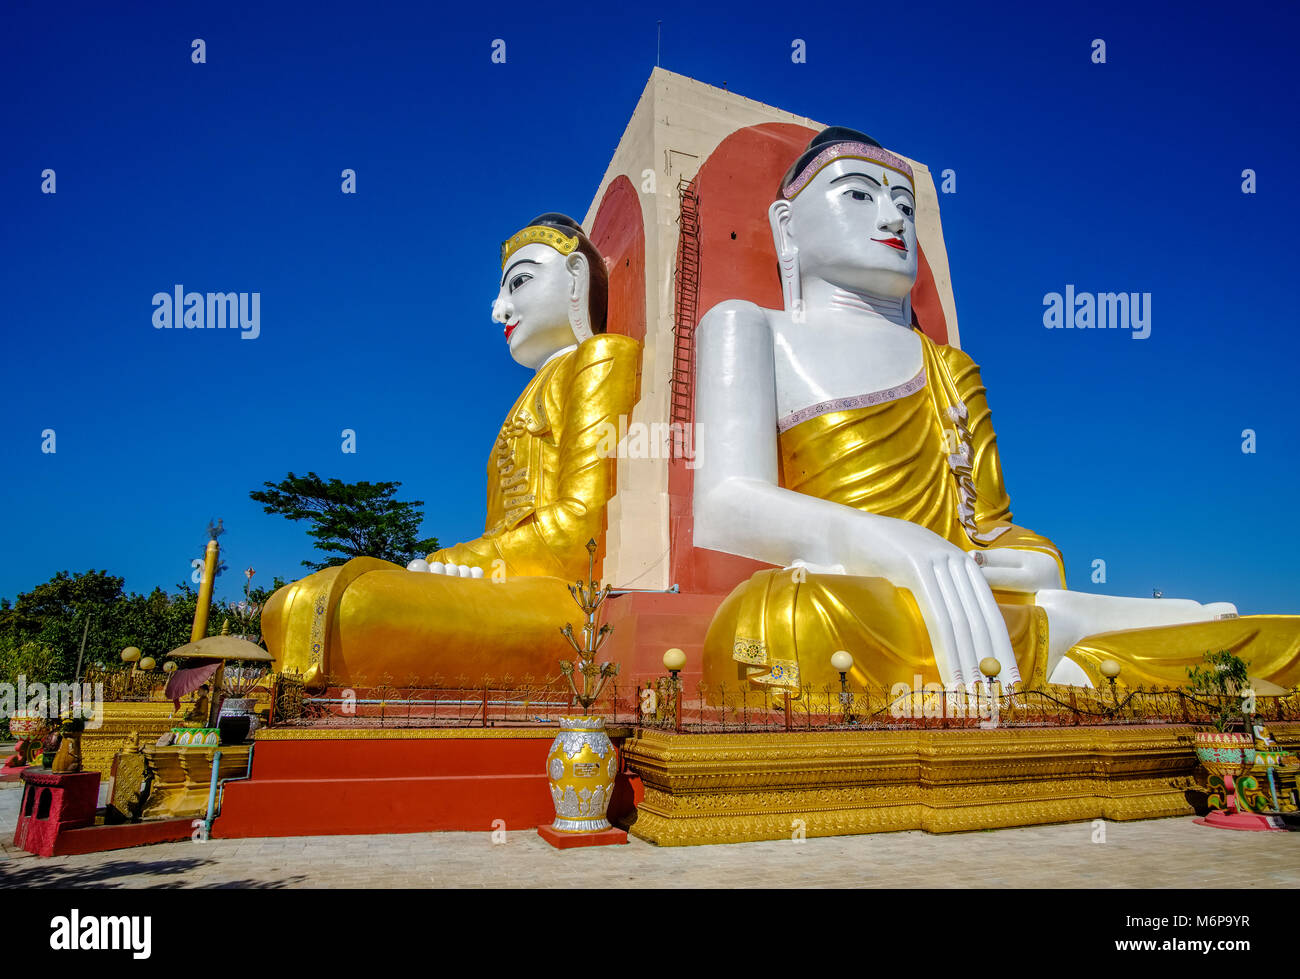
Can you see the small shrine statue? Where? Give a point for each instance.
(68, 757)
(845, 447)
(493, 605)
(201, 708)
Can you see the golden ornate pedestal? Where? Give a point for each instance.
(182, 778)
(730, 788)
(133, 723)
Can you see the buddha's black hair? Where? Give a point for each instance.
(827, 137)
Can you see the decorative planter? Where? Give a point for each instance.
(1225, 755)
(29, 727)
(28, 730)
(1228, 757)
(238, 719)
(581, 767)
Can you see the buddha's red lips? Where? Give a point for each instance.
(898, 243)
(510, 329)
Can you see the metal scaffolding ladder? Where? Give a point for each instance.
(685, 307)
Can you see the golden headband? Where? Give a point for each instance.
(538, 234)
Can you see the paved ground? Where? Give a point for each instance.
(1154, 853)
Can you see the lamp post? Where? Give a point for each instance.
(674, 660)
(842, 662)
(130, 654)
(1110, 670)
(990, 667)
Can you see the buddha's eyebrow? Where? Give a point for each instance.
(865, 176)
(523, 261)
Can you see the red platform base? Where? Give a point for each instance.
(95, 839)
(361, 782)
(53, 805)
(566, 841)
(1251, 822)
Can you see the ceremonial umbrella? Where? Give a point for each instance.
(222, 649)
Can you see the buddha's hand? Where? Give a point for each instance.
(1018, 570)
(954, 599)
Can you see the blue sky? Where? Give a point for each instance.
(375, 307)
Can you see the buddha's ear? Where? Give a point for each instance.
(579, 291)
(787, 253)
(778, 216)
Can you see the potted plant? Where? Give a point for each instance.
(582, 763)
(1221, 680)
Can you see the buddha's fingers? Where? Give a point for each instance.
(943, 640)
(981, 637)
(962, 651)
(1000, 639)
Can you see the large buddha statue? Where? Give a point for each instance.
(843, 446)
(492, 606)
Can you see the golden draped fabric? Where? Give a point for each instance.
(548, 482)
(1269, 645)
(928, 455)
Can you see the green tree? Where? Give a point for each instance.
(1221, 676)
(52, 617)
(350, 519)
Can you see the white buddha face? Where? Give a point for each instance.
(534, 302)
(854, 226)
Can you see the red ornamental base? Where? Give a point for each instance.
(13, 769)
(1250, 821)
(1233, 818)
(564, 841)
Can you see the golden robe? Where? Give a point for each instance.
(926, 452)
(549, 478)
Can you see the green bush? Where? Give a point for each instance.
(1222, 676)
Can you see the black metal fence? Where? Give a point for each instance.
(714, 709)
(385, 704)
(666, 703)
(127, 684)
